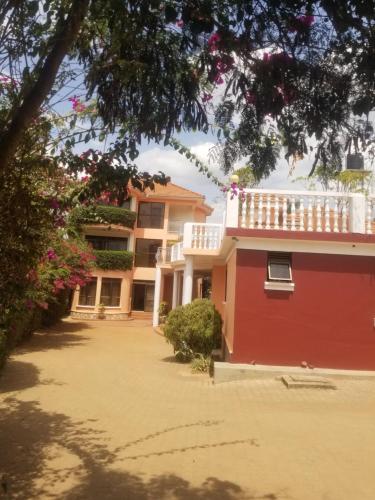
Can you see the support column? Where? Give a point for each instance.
(98, 292)
(155, 317)
(187, 291)
(175, 289)
(357, 214)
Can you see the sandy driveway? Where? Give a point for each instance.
(101, 411)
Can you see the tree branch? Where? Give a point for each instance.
(63, 40)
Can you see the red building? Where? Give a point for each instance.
(292, 273)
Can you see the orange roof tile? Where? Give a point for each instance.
(173, 191)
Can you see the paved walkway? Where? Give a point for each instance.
(101, 411)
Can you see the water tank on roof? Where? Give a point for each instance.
(355, 162)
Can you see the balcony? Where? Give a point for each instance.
(301, 211)
(278, 210)
(198, 238)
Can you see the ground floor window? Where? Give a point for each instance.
(110, 292)
(87, 293)
(143, 296)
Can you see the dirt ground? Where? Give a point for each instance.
(100, 410)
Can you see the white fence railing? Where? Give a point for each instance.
(203, 236)
(177, 252)
(370, 214)
(300, 211)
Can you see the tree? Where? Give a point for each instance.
(289, 71)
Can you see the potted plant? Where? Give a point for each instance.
(101, 311)
(163, 312)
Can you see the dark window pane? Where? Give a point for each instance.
(107, 243)
(279, 267)
(150, 215)
(110, 292)
(126, 204)
(87, 294)
(145, 252)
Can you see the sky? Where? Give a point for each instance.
(154, 158)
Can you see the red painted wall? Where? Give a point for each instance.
(327, 321)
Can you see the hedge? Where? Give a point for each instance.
(102, 214)
(24, 322)
(114, 259)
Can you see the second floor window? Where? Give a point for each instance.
(150, 215)
(106, 243)
(145, 252)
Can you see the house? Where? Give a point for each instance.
(126, 240)
(291, 272)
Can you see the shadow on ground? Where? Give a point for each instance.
(33, 441)
(60, 336)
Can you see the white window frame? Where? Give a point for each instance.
(279, 260)
(283, 284)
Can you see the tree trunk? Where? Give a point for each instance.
(63, 40)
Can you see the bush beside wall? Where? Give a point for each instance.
(114, 259)
(194, 329)
(102, 214)
(23, 322)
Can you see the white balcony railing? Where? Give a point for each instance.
(203, 236)
(197, 236)
(300, 211)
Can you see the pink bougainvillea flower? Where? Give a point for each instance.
(59, 284)
(77, 105)
(218, 79)
(43, 305)
(266, 57)
(29, 304)
(51, 255)
(213, 41)
(301, 23)
(206, 97)
(250, 97)
(306, 20)
(180, 23)
(54, 204)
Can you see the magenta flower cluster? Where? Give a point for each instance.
(77, 105)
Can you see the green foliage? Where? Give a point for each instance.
(163, 308)
(102, 214)
(3, 348)
(246, 177)
(194, 329)
(330, 179)
(114, 259)
(201, 364)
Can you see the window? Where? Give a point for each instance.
(279, 267)
(151, 215)
(127, 204)
(145, 252)
(106, 243)
(87, 293)
(110, 292)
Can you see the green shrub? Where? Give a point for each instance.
(114, 259)
(102, 214)
(194, 329)
(201, 364)
(3, 348)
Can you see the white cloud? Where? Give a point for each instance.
(185, 174)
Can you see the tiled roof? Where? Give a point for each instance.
(173, 191)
